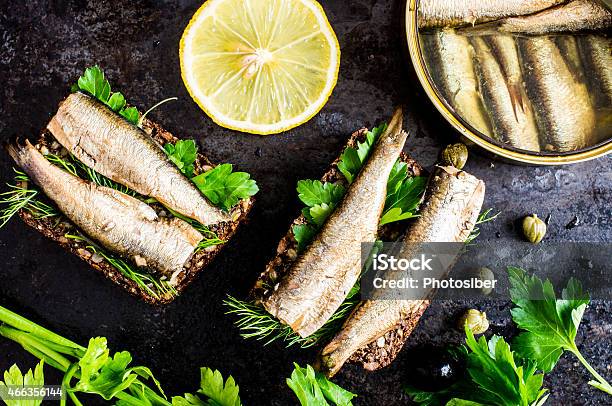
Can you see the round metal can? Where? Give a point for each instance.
(467, 131)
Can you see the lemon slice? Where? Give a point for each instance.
(260, 66)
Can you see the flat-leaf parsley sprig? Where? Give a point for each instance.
(94, 370)
(94, 83)
(550, 324)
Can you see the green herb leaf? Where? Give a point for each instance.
(94, 83)
(314, 389)
(313, 192)
(304, 233)
(220, 394)
(349, 164)
(183, 154)
(551, 324)
(217, 392)
(187, 400)
(492, 366)
(225, 188)
(404, 194)
(130, 114)
(352, 159)
(116, 102)
(102, 374)
(14, 379)
(494, 377)
(320, 199)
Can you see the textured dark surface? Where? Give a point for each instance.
(45, 45)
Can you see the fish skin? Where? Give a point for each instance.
(561, 103)
(319, 280)
(455, 13)
(568, 45)
(575, 16)
(119, 222)
(450, 63)
(449, 213)
(596, 52)
(511, 125)
(108, 144)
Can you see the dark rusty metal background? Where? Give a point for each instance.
(45, 45)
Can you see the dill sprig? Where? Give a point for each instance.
(22, 198)
(255, 322)
(79, 169)
(483, 217)
(155, 287)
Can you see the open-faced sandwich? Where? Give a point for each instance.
(309, 293)
(123, 194)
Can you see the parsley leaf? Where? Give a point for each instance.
(352, 159)
(94, 83)
(313, 192)
(130, 114)
(494, 377)
(214, 389)
(492, 366)
(116, 102)
(14, 379)
(551, 324)
(314, 389)
(223, 187)
(404, 194)
(304, 233)
(102, 374)
(183, 154)
(320, 199)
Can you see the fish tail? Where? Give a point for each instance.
(19, 152)
(517, 98)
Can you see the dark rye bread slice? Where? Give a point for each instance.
(56, 230)
(377, 354)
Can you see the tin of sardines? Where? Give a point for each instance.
(528, 80)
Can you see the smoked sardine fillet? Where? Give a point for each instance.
(119, 222)
(110, 145)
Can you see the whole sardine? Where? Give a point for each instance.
(575, 16)
(119, 222)
(449, 212)
(454, 13)
(450, 63)
(596, 52)
(561, 102)
(110, 145)
(512, 124)
(504, 49)
(319, 280)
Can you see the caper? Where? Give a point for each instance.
(485, 274)
(455, 155)
(534, 229)
(475, 320)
